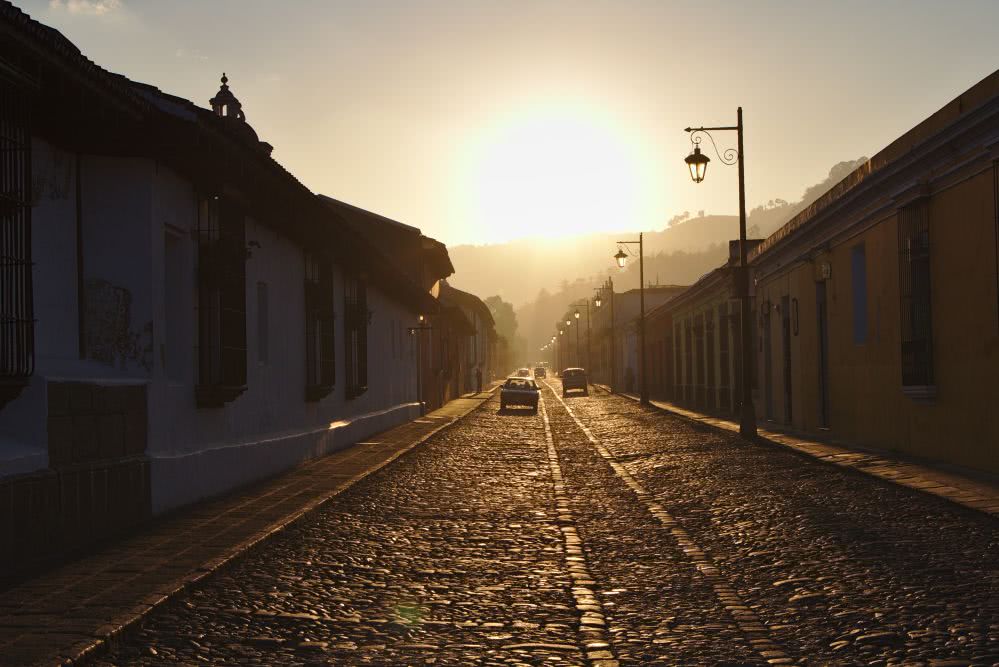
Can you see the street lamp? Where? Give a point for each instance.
(419, 358)
(622, 259)
(609, 286)
(589, 359)
(698, 164)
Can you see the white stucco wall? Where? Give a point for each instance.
(114, 215)
(200, 452)
(138, 223)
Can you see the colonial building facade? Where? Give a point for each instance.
(875, 310)
(178, 314)
(877, 307)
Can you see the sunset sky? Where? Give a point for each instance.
(486, 121)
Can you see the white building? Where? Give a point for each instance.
(181, 316)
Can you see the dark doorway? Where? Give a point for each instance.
(823, 324)
(768, 371)
(785, 315)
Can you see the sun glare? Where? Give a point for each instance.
(551, 174)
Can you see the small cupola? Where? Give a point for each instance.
(226, 106)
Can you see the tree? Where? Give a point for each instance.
(505, 318)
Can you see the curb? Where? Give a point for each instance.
(121, 626)
(912, 476)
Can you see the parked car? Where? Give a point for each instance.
(574, 379)
(540, 372)
(519, 391)
(524, 373)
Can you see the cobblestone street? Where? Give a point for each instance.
(600, 532)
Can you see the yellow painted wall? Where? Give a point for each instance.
(868, 407)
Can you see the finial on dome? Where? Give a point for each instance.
(225, 79)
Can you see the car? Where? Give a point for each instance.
(540, 372)
(524, 373)
(574, 379)
(519, 391)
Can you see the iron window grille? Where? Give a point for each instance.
(355, 324)
(17, 326)
(320, 358)
(914, 294)
(221, 302)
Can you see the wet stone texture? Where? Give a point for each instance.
(456, 555)
(660, 610)
(451, 555)
(843, 568)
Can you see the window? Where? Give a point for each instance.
(914, 294)
(263, 325)
(17, 350)
(221, 303)
(858, 281)
(320, 369)
(355, 324)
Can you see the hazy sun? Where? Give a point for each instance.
(553, 172)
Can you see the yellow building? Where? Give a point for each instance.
(877, 308)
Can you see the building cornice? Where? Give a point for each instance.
(959, 151)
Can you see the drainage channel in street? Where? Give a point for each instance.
(747, 621)
(592, 624)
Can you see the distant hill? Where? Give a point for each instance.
(540, 277)
(518, 270)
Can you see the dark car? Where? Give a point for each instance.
(540, 372)
(519, 391)
(574, 379)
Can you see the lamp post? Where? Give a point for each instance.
(622, 259)
(561, 349)
(697, 162)
(589, 359)
(419, 359)
(568, 323)
(609, 286)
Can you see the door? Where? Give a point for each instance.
(785, 312)
(823, 324)
(768, 371)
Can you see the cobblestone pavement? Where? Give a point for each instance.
(598, 532)
(841, 568)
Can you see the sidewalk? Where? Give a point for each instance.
(69, 613)
(975, 494)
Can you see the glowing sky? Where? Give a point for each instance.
(486, 121)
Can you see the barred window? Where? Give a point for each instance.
(319, 328)
(221, 302)
(914, 294)
(17, 352)
(355, 324)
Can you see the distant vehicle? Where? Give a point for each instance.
(519, 391)
(540, 372)
(574, 379)
(524, 373)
